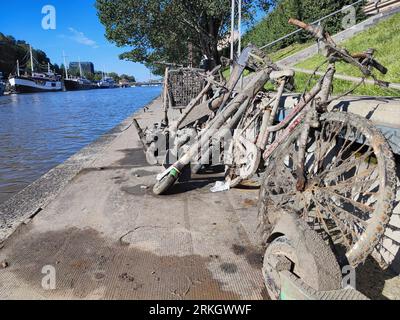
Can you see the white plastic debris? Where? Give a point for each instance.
(220, 186)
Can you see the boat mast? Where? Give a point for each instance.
(30, 51)
(65, 66)
(18, 72)
(80, 67)
(48, 67)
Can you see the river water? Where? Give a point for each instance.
(40, 131)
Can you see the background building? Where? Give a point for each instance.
(87, 67)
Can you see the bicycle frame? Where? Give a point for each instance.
(236, 107)
(298, 114)
(302, 112)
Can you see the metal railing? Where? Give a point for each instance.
(315, 22)
(378, 6)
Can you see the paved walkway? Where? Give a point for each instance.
(106, 236)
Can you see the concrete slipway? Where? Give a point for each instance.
(95, 220)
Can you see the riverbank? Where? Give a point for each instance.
(95, 220)
(40, 131)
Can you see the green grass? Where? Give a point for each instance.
(385, 38)
(288, 51)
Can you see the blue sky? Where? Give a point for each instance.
(79, 33)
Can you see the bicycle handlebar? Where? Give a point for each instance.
(315, 31)
(360, 60)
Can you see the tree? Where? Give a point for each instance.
(12, 50)
(161, 30)
(127, 77)
(115, 76)
(98, 75)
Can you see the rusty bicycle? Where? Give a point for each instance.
(226, 118)
(334, 171)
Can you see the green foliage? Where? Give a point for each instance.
(275, 25)
(162, 30)
(12, 50)
(97, 76)
(115, 76)
(128, 78)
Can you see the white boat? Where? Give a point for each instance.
(35, 82)
(107, 83)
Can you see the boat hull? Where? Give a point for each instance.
(76, 86)
(29, 85)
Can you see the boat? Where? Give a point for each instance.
(35, 82)
(107, 83)
(2, 88)
(77, 83)
(2, 84)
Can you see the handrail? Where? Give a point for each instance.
(390, 85)
(315, 22)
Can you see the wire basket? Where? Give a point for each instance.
(183, 86)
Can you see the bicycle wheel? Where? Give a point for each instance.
(243, 157)
(350, 184)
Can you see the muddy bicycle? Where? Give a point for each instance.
(226, 119)
(333, 170)
(198, 95)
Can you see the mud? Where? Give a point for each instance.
(89, 266)
(229, 268)
(134, 158)
(142, 173)
(254, 256)
(138, 190)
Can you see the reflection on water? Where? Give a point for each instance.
(40, 131)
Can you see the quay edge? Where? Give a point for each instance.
(31, 200)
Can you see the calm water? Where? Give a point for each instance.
(40, 131)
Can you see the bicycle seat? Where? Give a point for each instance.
(288, 73)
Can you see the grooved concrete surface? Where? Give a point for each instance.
(108, 237)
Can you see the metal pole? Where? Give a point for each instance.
(18, 72)
(232, 31)
(30, 51)
(65, 66)
(240, 36)
(80, 67)
(240, 27)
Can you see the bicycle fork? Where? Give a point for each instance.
(311, 121)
